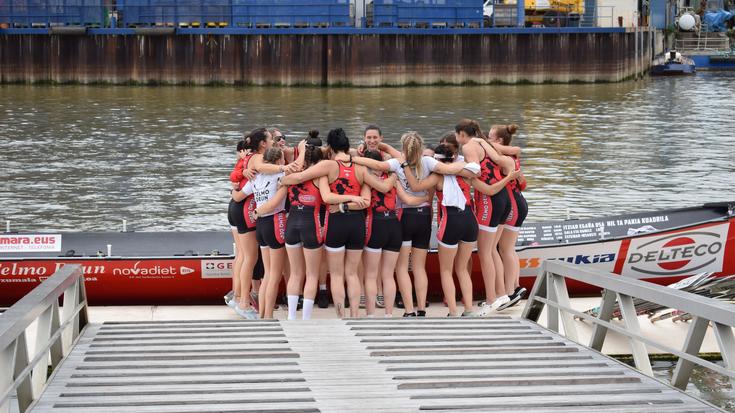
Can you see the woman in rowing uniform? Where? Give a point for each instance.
(489, 214)
(383, 237)
(256, 142)
(415, 219)
(501, 137)
(237, 224)
(261, 140)
(457, 232)
(270, 213)
(342, 185)
(304, 235)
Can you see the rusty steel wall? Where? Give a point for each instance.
(359, 60)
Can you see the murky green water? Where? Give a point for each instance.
(714, 388)
(78, 157)
(84, 158)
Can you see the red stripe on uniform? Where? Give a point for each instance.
(319, 233)
(442, 224)
(248, 211)
(368, 225)
(513, 216)
(279, 224)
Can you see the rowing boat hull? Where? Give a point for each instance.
(680, 249)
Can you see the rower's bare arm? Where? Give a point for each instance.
(330, 197)
(393, 152)
(372, 164)
(507, 150)
(493, 189)
(365, 199)
(273, 202)
(315, 171)
(425, 184)
(454, 168)
(381, 185)
(246, 191)
(408, 199)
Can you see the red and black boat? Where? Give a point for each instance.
(194, 267)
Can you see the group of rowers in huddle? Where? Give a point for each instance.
(371, 209)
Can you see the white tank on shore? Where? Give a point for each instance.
(687, 22)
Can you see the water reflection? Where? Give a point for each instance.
(76, 157)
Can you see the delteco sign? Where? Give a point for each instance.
(678, 254)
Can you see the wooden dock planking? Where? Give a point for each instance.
(390, 365)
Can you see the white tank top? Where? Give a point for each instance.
(264, 188)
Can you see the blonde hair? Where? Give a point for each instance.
(272, 155)
(413, 150)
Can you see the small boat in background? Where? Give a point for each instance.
(675, 64)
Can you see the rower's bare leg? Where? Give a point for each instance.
(484, 242)
(464, 254)
(511, 266)
(420, 278)
(446, 265)
(336, 260)
(500, 289)
(277, 257)
(352, 261)
(297, 273)
(371, 264)
(404, 280)
(313, 260)
(250, 258)
(237, 265)
(263, 290)
(388, 267)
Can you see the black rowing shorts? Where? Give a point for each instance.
(416, 227)
(303, 228)
(383, 232)
(235, 216)
(345, 230)
(270, 230)
(457, 225)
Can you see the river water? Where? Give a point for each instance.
(86, 157)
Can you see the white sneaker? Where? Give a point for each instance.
(249, 314)
(500, 301)
(485, 309)
(232, 303)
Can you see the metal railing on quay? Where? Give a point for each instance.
(550, 290)
(25, 375)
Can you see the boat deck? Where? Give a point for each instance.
(367, 365)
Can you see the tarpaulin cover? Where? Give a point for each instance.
(716, 19)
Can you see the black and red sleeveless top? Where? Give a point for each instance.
(516, 185)
(383, 202)
(490, 172)
(346, 182)
(236, 175)
(305, 194)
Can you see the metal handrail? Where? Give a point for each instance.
(25, 375)
(550, 289)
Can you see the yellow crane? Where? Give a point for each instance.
(549, 13)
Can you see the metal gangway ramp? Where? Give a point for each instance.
(494, 364)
